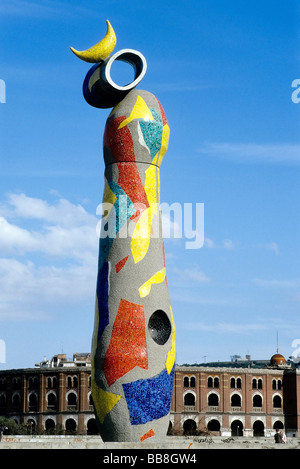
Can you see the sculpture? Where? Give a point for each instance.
(133, 347)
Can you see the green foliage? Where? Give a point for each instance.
(13, 428)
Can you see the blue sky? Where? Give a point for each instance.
(223, 71)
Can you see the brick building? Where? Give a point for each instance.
(238, 398)
(54, 396)
(241, 397)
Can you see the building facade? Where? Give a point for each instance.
(236, 401)
(53, 397)
(229, 399)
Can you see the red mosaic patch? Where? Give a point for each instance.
(127, 347)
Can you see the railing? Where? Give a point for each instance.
(189, 408)
(71, 407)
(213, 408)
(257, 409)
(236, 409)
(33, 408)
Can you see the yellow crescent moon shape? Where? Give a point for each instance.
(101, 50)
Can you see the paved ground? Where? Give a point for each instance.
(170, 444)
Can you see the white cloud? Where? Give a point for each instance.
(64, 212)
(195, 275)
(274, 283)
(254, 153)
(14, 238)
(230, 245)
(43, 9)
(65, 230)
(171, 229)
(225, 244)
(29, 291)
(272, 246)
(54, 263)
(26, 8)
(187, 276)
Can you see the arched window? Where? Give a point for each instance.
(189, 427)
(278, 424)
(72, 400)
(52, 382)
(33, 383)
(257, 400)
(213, 382)
(276, 384)
(213, 399)
(17, 383)
(277, 402)
(279, 384)
(31, 425)
(72, 382)
(254, 383)
(3, 383)
(236, 400)
(235, 383)
(51, 401)
(50, 426)
(16, 401)
(213, 425)
(189, 399)
(258, 428)
(193, 382)
(91, 428)
(33, 402)
(2, 402)
(259, 383)
(186, 381)
(237, 428)
(70, 426)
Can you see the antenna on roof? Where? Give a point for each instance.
(277, 342)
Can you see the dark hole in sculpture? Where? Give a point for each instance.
(159, 327)
(121, 74)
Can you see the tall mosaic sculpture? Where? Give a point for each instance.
(133, 348)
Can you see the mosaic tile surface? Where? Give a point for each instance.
(133, 366)
(133, 346)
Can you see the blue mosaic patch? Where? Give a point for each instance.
(152, 133)
(123, 210)
(102, 296)
(149, 399)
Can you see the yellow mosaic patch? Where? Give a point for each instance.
(171, 354)
(142, 233)
(109, 198)
(104, 401)
(158, 277)
(140, 111)
(164, 143)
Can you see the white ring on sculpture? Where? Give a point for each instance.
(133, 58)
